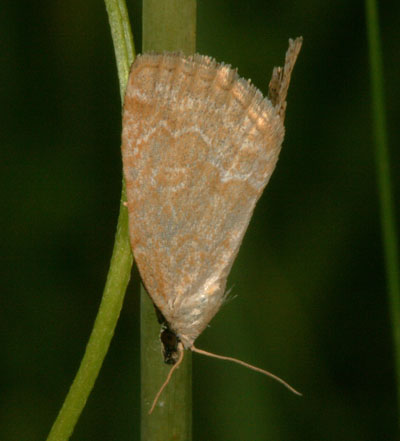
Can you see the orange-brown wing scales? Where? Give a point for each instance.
(199, 146)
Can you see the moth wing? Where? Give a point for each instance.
(199, 145)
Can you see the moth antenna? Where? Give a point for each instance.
(254, 368)
(175, 366)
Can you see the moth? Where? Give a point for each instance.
(199, 145)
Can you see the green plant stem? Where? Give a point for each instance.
(388, 221)
(172, 418)
(120, 265)
(122, 40)
(168, 25)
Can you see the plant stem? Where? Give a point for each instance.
(168, 25)
(388, 221)
(122, 40)
(100, 338)
(172, 417)
(120, 265)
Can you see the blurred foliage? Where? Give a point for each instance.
(309, 299)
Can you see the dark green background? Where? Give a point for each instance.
(308, 286)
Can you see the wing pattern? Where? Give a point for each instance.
(199, 145)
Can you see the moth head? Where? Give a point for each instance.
(169, 345)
